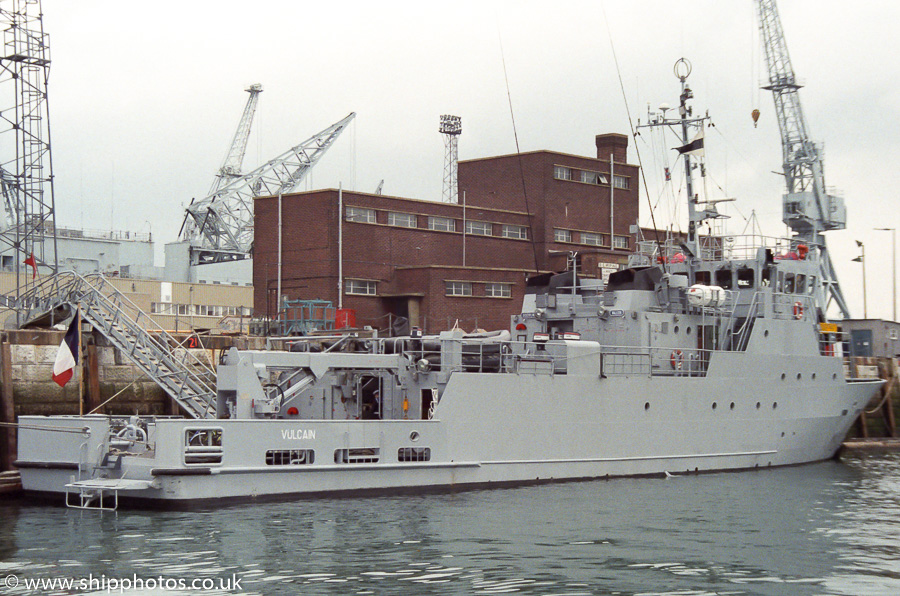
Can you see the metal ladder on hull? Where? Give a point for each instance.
(190, 381)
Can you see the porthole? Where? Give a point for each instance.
(714, 405)
(414, 436)
(766, 333)
(782, 434)
(676, 328)
(774, 405)
(834, 376)
(814, 376)
(687, 330)
(783, 376)
(647, 406)
(799, 376)
(757, 405)
(731, 406)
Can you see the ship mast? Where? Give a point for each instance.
(682, 71)
(690, 145)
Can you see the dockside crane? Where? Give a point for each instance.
(220, 226)
(231, 166)
(808, 209)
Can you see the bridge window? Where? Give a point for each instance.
(746, 277)
(723, 279)
(789, 283)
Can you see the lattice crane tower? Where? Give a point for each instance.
(808, 208)
(451, 128)
(231, 166)
(26, 173)
(220, 226)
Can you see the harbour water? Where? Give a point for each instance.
(827, 528)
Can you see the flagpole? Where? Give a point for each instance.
(80, 363)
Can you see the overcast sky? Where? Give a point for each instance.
(145, 97)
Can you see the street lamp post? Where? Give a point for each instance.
(862, 259)
(894, 263)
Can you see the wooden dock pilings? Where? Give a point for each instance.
(879, 416)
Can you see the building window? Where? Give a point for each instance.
(498, 290)
(594, 239)
(518, 232)
(620, 241)
(403, 220)
(361, 287)
(621, 182)
(360, 214)
(594, 178)
(562, 173)
(441, 224)
(458, 288)
(562, 236)
(479, 228)
(161, 308)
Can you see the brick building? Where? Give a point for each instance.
(437, 263)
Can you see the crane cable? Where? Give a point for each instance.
(631, 127)
(518, 152)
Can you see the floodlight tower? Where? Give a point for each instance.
(25, 165)
(451, 128)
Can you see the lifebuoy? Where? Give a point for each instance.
(798, 310)
(677, 359)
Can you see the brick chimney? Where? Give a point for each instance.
(614, 143)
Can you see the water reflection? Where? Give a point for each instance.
(824, 529)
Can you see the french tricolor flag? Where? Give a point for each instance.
(67, 357)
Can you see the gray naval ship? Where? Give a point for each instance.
(712, 353)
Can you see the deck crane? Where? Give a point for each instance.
(808, 209)
(220, 226)
(231, 167)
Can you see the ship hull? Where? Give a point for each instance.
(488, 430)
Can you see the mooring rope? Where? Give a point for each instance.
(48, 428)
(886, 392)
(114, 396)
